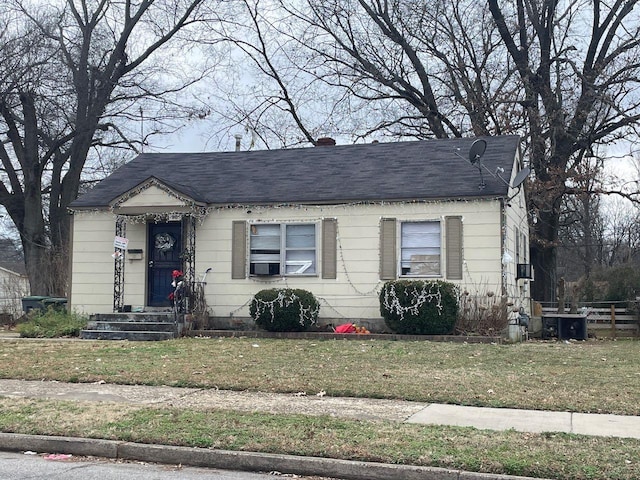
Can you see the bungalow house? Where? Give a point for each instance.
(338, 221)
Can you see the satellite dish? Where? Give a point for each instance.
(477, 150)
(521, 177)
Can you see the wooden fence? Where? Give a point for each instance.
(614, 321)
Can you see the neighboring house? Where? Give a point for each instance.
(14, 285)
(338, 221)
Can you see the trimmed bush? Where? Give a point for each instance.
(416, 307)
(52, 323)
(284, 310)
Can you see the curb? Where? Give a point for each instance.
(238, 461)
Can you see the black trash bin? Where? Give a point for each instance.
(572, 327)
(57, 303)
(566, 326)
(33, 302)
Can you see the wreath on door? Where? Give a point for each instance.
(164, 242)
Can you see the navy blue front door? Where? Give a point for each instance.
(165, 248)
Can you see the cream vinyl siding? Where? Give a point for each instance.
(352, 294)
(92, 268)
(348, 248)
(153, 197)
(135, 271)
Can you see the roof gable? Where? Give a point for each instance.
(153, 193)
(420, 170)
(17, 271)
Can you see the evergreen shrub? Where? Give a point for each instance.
(52, 323)
(418, 307)
(284, 310)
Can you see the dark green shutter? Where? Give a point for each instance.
(453, 239)
(329, 248)
(388, 263)
(239, 250)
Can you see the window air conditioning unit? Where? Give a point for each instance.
(265, 269)
(523, 270)
(261, 269)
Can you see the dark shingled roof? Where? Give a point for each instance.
(429, 169)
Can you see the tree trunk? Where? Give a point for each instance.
(544, 255)
(36, 253)
(544, 267)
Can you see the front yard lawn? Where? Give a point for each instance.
(592, 376)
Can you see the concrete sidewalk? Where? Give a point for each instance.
(535, 421)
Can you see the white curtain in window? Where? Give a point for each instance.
(420, 247)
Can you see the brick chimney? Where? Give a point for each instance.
(325, 142)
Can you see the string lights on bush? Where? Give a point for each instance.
(308, 311)
(429, 293)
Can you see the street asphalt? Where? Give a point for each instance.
(435, 414)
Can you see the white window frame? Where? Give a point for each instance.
(278, 266)
(421, 250)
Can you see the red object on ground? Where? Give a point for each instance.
(346, 328)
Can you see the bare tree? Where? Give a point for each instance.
(428, 70)
(71, 73)
(267, 89)
(622, 243)
(577, 62)
(351, 69)
(581, 224)
(563, 75)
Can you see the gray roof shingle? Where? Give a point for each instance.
(428, 169)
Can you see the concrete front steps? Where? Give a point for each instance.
(143, 326)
